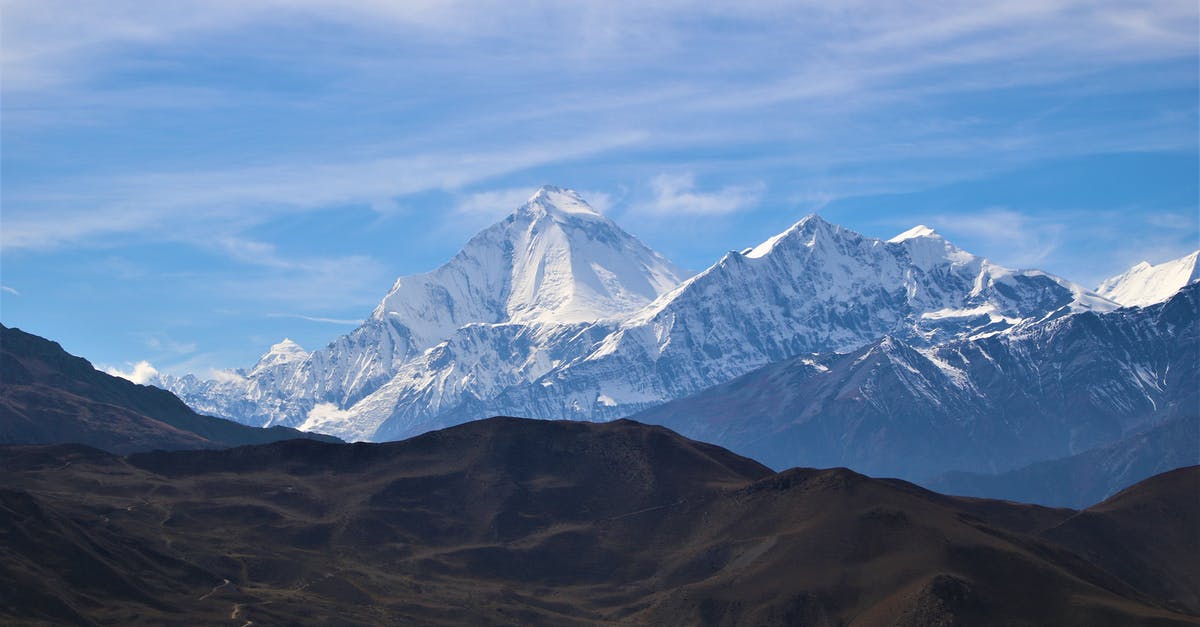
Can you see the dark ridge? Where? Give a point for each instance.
(50, 397)
(513, 521)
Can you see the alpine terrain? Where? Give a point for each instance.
(1146, 284)
(555, 312)
(988, 403)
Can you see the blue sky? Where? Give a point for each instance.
(188, 182)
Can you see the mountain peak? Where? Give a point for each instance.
(1146, 284)
(919, 230)
(286, 346)
(809, 224)
(284, 352)
(558, 201)
(555, 259)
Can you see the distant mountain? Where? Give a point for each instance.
(1145, 284)
(509, 521)
(49, 396)
(549, 269)
(557, 313)
(990, 403)
(1088, 478)
(815, 287)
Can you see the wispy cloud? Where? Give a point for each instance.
(845, 66)
(200, 205)
(322, 283)
(493, 204)
(676, 194)
(1026, 240)
(8, 290)
(342, 321)
(163, 343)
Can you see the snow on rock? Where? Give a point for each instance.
(555, 312)
(283, 353)
(553, 261)
(1146, 284)
(815, 287)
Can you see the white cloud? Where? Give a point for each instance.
(344, 321)
(141, 373)
(859, 57)
(302, 282)
(8, 290)
(225, 376)
(163, 343)
(676, 194)
(493, 204)
(326, 418)
(1026, 241)
(1183, 221)
(201, 206)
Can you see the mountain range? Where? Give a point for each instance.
(557, 312)
(989, 403)
(507, 521)
(908, 357)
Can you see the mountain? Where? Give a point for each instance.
(50, 396)
(984, 404)
(557, 313)
(553, 266)
(1145, 284)
(509, 521)
(815, 287)
(1088, 477)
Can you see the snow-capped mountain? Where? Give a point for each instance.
(985, 404)
(815, 287)
(1145, 284)
(554, 261)
(557, 313)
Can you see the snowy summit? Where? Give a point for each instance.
(1146, 284)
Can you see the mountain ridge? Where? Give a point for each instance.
(814, 287)
(984, 404)
(1146, 284)
(52, 396)
(531, 521)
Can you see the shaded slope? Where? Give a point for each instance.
(1157, 524)
(51, 396)
(517, 521)
(1087, 478)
